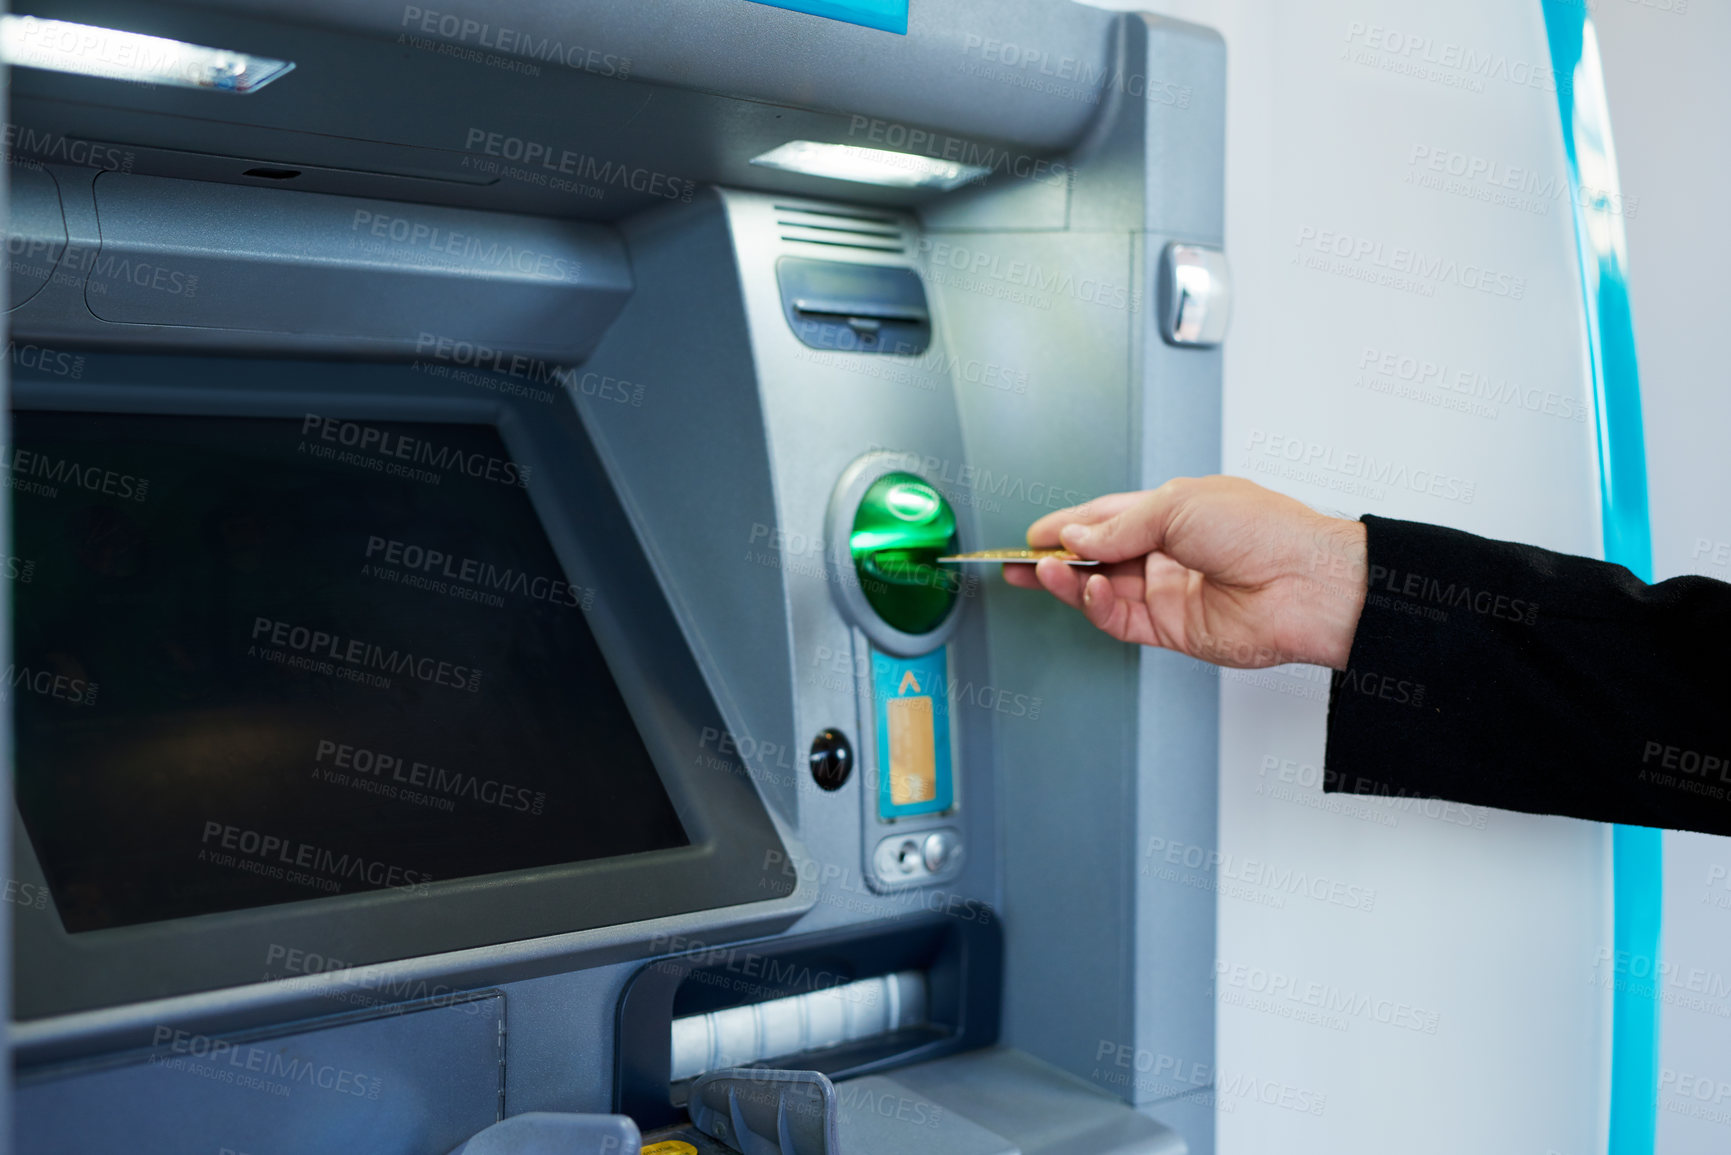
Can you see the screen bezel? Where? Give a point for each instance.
(733, 837)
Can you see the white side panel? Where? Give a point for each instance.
(1670, 99)
(1401, 973)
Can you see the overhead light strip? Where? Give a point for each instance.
(89, 50)
(869, 165)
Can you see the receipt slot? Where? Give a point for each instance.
(887, 529)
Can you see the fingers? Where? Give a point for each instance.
(1063, 582)
(1043, 534)
(1100, 605)
(1110, 597)
(1021, 576)
(1115, 607)
(1133, 530)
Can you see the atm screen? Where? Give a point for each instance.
(263, 660)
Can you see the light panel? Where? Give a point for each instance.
(89, 50)
(869, 165)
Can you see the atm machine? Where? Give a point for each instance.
(481, 674)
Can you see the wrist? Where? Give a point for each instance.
(1339, 591)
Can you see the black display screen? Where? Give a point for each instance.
(262, 660)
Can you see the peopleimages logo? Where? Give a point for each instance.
(902, 138)
(269, 853)
(1215, 864)
(371, 439)
(484, 575)
(1330, 1000)
(1447, 61)
(366, 986)
(946, 257)
(322, 648)
(51, 361)
(420, 234)
(274, 1062)
(48, 684)
(1399, 266)
(1515, 186)
(42, 474)
(1469, 383)
(108, 269)
(357, 763)
(466, 31)
(28, 147)
(1037, 68)
(1360, 469)
(552, 161)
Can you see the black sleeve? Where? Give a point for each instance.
(1509, 676)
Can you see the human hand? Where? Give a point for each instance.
(1215, 567)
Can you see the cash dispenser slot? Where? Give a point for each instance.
(818, 1020)
(844, 1003)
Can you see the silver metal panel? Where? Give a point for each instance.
(942, 74)
(35, 233)
(1064, 772)
(1178, 435)
(1098, 957)
(1033, 1105)
(1193, 1115)
(744, 549)
(822, 411)
(555, 1133)
(404, 1084)
(690, 464)
(876, 1113)
(192, 264)
(560, 1039)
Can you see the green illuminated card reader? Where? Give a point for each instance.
(888, 527)
(900, 529)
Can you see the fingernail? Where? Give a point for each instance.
(1076, 532)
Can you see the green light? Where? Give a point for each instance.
(914, 501)
(901, 528)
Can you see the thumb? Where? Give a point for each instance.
(1132, 532)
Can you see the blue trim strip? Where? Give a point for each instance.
(1636, 852)
(889, 15)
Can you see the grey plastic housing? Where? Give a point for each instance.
(141, 262)
(412, 1080)
(994, 1101)
(916, 78)
(595, 110)
(553, 1133)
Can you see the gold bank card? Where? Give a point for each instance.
(1012, 556)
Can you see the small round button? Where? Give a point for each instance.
(831, 759)
(908, 857)
(938, 850)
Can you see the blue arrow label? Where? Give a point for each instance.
(910, 697)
